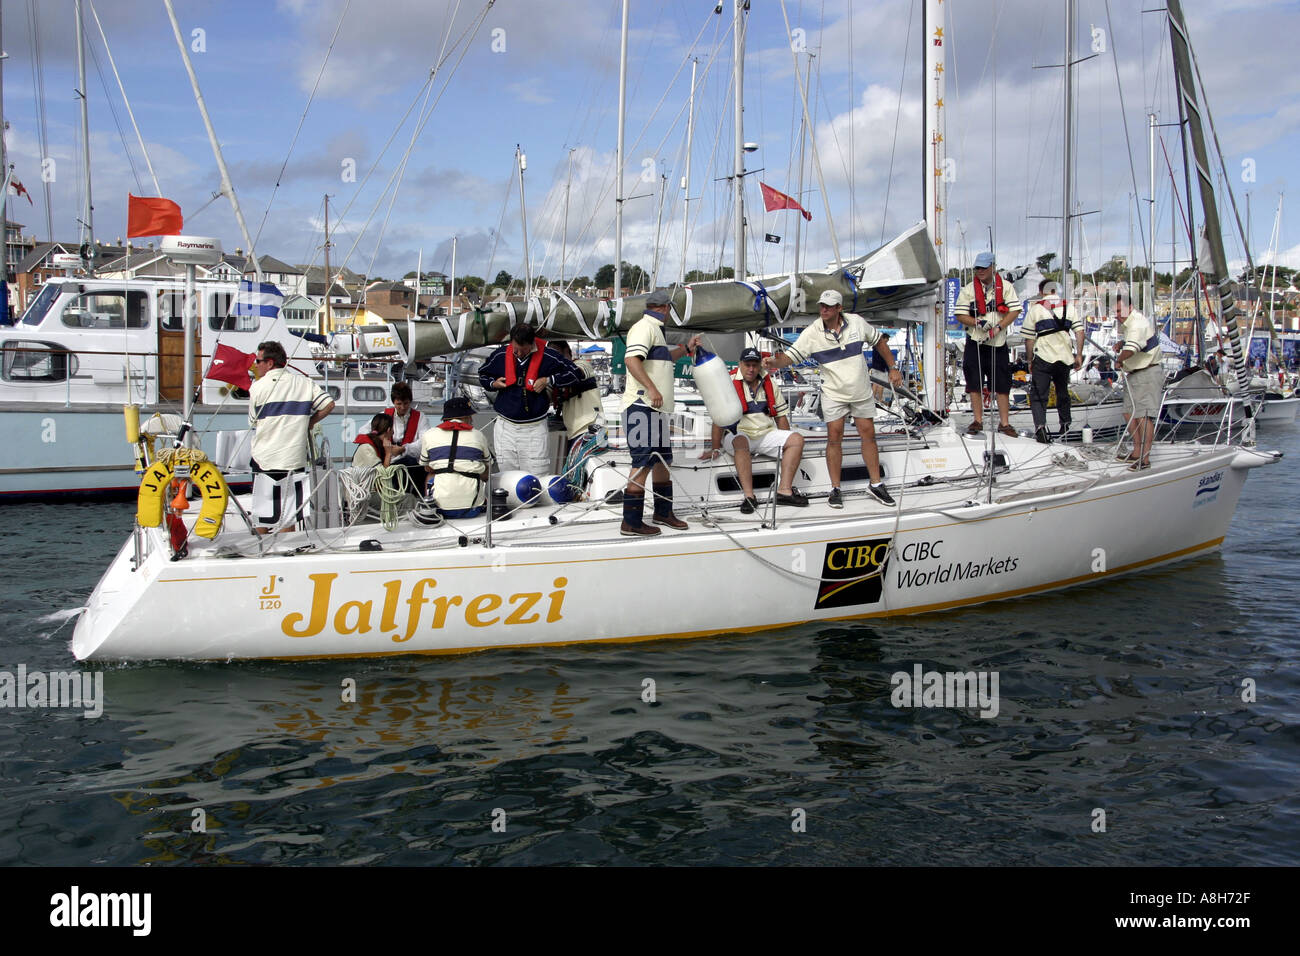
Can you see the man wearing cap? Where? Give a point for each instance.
(647, 403)
(1048, 330)
(987, 307)
(456, 456)
(1144, 378)
(519, 372)
(764, 429)
(835, 341)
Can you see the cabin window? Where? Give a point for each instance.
(26, 361)
(369, 393)
(36, 312)
(219, 305)
(107, 310)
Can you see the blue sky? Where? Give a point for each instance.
(544, 74)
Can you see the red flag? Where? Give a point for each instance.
(21, 190)
(231, 365)
(775, 200)
(152, 217)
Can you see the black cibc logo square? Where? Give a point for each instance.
(853, 572)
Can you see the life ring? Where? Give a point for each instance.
(151, 500)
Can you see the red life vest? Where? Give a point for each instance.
(534, 365)
(454, 426)
(743, 391)
(980, 307)
(412, 432)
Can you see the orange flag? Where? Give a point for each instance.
(146, 216)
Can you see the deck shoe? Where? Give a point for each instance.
(638, 530)
(1042, 437)
(836, 500)
(793, 498)
(749, 506)
(1139, 466)
(881, 493)
(974, 428)
(1008, 431)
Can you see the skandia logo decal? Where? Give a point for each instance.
(1209, 484)
(853, 573)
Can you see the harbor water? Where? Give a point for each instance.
(1147, 720)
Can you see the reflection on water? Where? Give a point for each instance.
(1124, 697)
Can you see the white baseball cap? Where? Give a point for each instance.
(830, 297)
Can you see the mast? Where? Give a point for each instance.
(686, 179)
(4, 171)
(738, 180)
(1151, 253)
(564, 236)
(523, 217)
(803, 140)
(329, 280)
(88, 209)
(932, 165)
(227, 187)
(659, 220)
(451, 296)
(618, 161)
(1067, 153)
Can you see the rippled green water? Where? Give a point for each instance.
(1124, 697)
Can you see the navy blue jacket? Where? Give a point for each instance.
(517, 403)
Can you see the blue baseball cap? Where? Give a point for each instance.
(984, 260)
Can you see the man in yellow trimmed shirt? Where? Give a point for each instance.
(1139, 355)
(1047, 331)
(647, 403)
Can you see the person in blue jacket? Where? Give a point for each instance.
(520, 372)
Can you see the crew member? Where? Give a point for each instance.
(764, 429)
(647, 403)
(1144, 378)
(1048, 346)
(408, 426)
(835, 341)
(987, 307)
(519, 372)
(579, 404)
(283, 406)
(455, 455)
(376, 446)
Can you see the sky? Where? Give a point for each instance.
(336, 97)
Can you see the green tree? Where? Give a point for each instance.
(470, 284)
(605, 275)
(503, 279)
(1044, 262)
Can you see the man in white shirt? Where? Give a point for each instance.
(1053, 346)
(987, 307)
(836, 341)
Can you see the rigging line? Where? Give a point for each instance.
(433, 72)
(301, 120)
(395, 177)
(496, 235)
(889, 181)
(99, 71)
(122, 89)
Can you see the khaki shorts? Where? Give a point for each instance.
(833, 411)
(1143, 391)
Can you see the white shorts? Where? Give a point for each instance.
(833, 411)
(768, 444)
(274, 499)
(522, 447)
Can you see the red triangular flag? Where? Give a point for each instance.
(775, 200)
(231, 365)
(147, 216)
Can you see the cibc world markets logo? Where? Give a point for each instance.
(853, 572)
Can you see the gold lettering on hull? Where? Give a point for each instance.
(400, 618)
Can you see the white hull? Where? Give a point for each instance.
(1278, 411)
(1050, 525)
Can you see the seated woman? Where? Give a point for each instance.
(376, 447)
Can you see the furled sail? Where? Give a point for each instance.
(894, 275)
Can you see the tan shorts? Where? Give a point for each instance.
(833, 411)
(1143, 391)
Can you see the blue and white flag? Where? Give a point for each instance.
(254, 298)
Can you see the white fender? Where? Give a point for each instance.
(557, 489)
(521, 488)
(714, 382)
